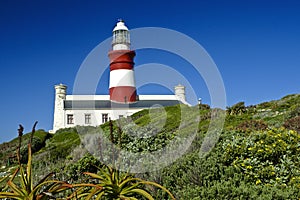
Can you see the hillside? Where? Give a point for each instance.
(256, 157)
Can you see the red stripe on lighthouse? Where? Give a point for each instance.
(121, 59)
(122, 85)
(122, 94)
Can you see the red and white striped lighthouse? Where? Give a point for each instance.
(122, 82)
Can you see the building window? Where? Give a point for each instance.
(104, 118)
(121, 116)
(87, 118)
(70, 119)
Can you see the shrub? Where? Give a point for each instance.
(237, 109)
(265, 157)
(293, 124)
(86, 164)
(252, 125)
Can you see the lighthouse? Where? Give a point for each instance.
(122, 101)
(122, 81)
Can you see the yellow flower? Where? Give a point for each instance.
(258, 182)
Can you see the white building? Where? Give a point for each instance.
(122, 101)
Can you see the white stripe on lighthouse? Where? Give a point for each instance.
(121, 77)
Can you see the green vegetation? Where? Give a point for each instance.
(113, 184)
(24, 189)
(256, 157)
(8, 149)
(268, 157)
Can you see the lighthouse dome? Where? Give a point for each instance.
(120, 26)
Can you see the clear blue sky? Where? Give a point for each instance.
(255, 44)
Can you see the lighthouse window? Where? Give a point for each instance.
(121, 36)
(104, 117)
(87, 118)
(70, 119)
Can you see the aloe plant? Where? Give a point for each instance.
(114, 185)
(25, 190)
(3, 180)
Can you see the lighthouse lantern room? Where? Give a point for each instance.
(121, 37)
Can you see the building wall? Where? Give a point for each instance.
(158, 97)
(79, 116)
(61, 114)
(60, 96)
(96, 116)
(87, 97)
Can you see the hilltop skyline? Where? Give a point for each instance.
(254, 44)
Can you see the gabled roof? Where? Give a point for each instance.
(106, 104)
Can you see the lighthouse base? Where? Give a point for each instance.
(123, 94)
